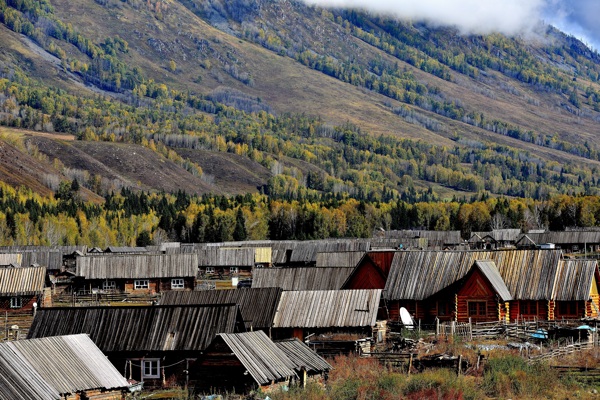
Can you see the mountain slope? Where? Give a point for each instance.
(487, 100)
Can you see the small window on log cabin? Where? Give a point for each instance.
(567, 308)
(528, 308)
(443, 308)
(150, 368)
(141, 284)
(16, 302)
(177, 283)
(477, 308)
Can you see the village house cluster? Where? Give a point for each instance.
(234, 316)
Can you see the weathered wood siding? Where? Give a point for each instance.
(347, 259)
(137, 266)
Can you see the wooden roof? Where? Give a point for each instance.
(141, 328)
(347, 259)
(257, 305)
(417, 275)
(564, 237)
(263, 360)
(434, 238)
(504, 235)
(69, 363)
(26, 281)
(301, 278)
(125, 250)
(303, 357)
(574, 280)
(19, 380)
(327, 308)
(137, 266)
(489, 270)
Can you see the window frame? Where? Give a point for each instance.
(210, 270)
(16, 302)
(177, 283)
(140, 284)
(234, 270)
(153, 365)
(109, 285)
(480, 308)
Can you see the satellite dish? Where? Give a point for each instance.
(34, 305)
(406, 319)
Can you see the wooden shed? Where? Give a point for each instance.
(21, 288)
(59, 367)
(153, 344)
(242, 362)
(304, 314)
(137, 273)
(371, 271)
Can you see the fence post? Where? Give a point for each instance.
(437, 327)
(453, 328)
(470, 329)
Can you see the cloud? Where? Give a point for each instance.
(577, 17)
(510, 17)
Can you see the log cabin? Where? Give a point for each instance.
(21, 288)
(491, 285)
(153, 344)
(139, 274)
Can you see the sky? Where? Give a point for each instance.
(511, 17)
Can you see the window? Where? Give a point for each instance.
(568, 308)
(528, 308)
(16, 302)
(234, 270)
(443, 308)
(141, 284)
(177, 283)
(477, 308)
(109, 285)
(151, 368)
(210, 270)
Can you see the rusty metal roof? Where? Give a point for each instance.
(327, 308)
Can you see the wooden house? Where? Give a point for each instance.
(495, 239)
(257, 305)
(60, 367)
(242, 362)
(245, 361)
(576, 241)
(153, 344)
(490, 285)
(136, 274)
(436, 240)
(125, 250)
(232, 261)
(306, 314)
(21, 288)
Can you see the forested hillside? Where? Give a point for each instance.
(299, 103)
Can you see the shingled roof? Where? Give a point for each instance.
(141, 328)
(137, 266)
(417, 275)
(301, 278)
(17, 281)
(50, 367)
(257, 305)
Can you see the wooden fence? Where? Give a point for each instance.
(562, 351)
